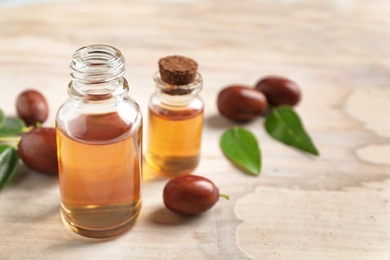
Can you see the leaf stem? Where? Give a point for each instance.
(10, 139)
(225, 196)
(27, 129)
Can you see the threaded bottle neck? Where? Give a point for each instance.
(97, 71)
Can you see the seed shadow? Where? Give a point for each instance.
(165, 217)
(217, 121)
(20, 175)
(25, 178)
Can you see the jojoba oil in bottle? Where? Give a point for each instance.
(175, 119)
(99, 146)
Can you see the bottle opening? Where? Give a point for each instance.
(97, 63)
(97, 69)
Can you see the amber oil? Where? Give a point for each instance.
(99, 175)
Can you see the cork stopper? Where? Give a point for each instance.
(177, 70)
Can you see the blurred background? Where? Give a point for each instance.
(232, 41)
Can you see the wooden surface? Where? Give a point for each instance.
(332, 207)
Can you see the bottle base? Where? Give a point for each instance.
(97, 228)
(170, 167)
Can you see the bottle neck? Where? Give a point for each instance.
(177, 95)
(97, 73)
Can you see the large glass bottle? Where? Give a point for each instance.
(99, 140)
(175, 125)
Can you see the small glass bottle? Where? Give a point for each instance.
(175, 119)
(99, 142)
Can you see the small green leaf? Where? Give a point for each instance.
(1, 118)
(9, 161)
(241, 147)
(283, 124)
(11, 126)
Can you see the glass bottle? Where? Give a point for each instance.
(175, 125)
(99, 142)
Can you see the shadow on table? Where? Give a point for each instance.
(218, 121)
(25, 178)
(163, 216)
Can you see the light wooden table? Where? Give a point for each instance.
(332, 207)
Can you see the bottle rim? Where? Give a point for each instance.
(97, 63)
(97, 73)
(179, 90)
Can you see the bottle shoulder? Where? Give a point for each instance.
(176, 102)
(94, 122)
(170, 112)
(125, 106)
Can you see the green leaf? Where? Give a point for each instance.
(241, 147)
(9, 161)
(283, 124)
(1, 118)
(12, 126)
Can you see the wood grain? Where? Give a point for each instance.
(332, 207)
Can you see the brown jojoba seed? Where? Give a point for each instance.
(279, 90)
(38, 150)
(241, 103)
(190, 195)
(31, 107)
